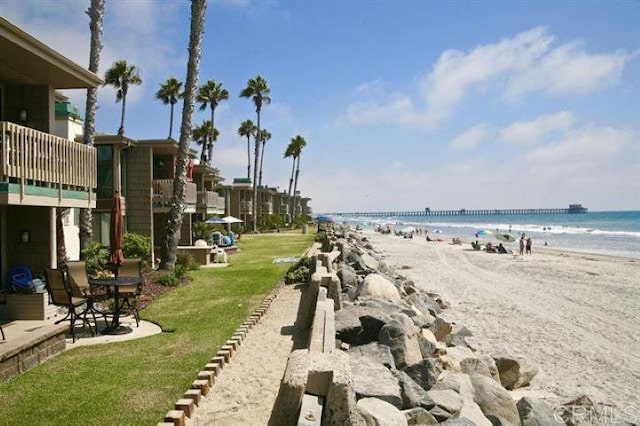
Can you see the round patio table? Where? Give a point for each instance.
(116, 283)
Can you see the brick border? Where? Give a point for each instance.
(207, 378)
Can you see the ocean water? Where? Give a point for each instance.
(613, 232)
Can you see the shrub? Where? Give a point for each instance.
(137, 246)
(300, 272)
(168, 279)
(201, 230)
(96, 256)
(187, 261)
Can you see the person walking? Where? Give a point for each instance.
(528, 246)
(521, 246)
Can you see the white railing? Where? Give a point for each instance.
(267, 208)
(163, 192)
(209, 199)
(31, 155)
(246, 206)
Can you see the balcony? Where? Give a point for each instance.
(246, 207)
(41, 169)
(266, 208)
(163, 195)
(210, 202)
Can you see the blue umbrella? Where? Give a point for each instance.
(216, 220)
(324, 218)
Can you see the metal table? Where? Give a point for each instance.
(116, 283)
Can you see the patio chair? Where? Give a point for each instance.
(60, 294)
(131, 268)
(78, 281)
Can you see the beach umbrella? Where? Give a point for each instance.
(231, 219)
(408, 230)
(215, 220)
(507, 238)
(116, 231)
(483, 232)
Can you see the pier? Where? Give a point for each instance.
(572, 209)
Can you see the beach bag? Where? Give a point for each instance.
(20, 279)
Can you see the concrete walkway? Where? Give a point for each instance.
(247, 388)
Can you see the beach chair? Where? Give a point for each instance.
(78, 281)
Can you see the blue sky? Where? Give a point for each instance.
(404, 104)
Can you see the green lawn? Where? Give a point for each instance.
(137, 382)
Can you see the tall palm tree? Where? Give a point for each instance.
(291, 152)
(211, 94)
(264, 137)
(169, 244)
(300, 144)
(96, 17)
(258, 90)
(247, 129)
(122, 75)
(202, 136)
(169, 93)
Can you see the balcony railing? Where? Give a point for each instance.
(29, 156)
(210, 200)
(246, 207)
(163, 192)
(267, 208)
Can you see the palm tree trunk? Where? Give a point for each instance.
(96, 15)
(293, 166)
(124, 104)
(61, 247)
(171, 236)
(248, 157)
(295, 186)
(213, 131)
(261, 161)
(256, 161)
(171, 121)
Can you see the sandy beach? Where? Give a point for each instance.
(575, 316)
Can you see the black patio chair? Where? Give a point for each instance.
(60, 294)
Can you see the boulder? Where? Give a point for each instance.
(446, 400)
(351, 328)
(379, 287)
(440, 329)
(401, 337)
(348, 327)
(373, 380)
(471, 411)
(419, 417)
(491, 365)
(461, 421)
(474, 365)
(423, 321)
(412, 394)
(376, 352)
(458, 382)
(376, 412)
(425, 372)
(427, 348)
(493, 399)
(515, 372)
(535, 412)
(347, 277)
(369, 262)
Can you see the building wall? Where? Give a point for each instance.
(139, 192)
(36, 253)
(36, 99)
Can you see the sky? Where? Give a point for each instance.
(404, 104)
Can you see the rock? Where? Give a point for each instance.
(474, 365)
(447, 400)
(458, 422)
(460, 353)
(376, 352)
(373, 380)
(401, 337)
(376, 412)
(493, 399)
(379, 287)
(458, 382)
(440, 329)
(419, 416)
(491, 365)
(499, 421)
(515, 372)
(423, 321)
(372, 323)
(427, 348)
(348, 326)
(369, 262)
(347, 277)
(471, 411)
(425, 372)
(412, 394)
(535, 412)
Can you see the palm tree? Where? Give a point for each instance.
(96, 16)
(300, 143)
(258, 90)
(122, 75)
(169, 244)
(291, 152)
(202, 136)
(211, 94)
(264, 137)
(247, 129)
(169, 93)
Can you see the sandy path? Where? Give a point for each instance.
(576, 316)
(248, 386)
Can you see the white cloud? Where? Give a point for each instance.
(532, 132)
(470, 138)
(568, 69)
(516, 66)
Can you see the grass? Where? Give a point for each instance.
(137, 382)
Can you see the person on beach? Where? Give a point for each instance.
(501, 249)
(528, 245)
(521, 245)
